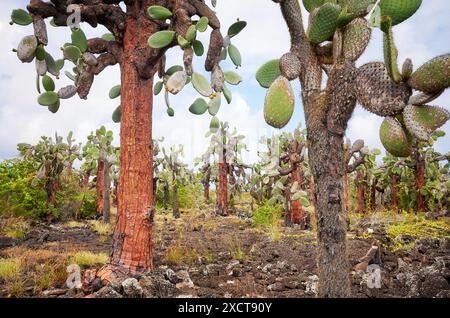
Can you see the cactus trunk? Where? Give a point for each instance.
(99, 188)
(222, 196)
(166, 195)
(394, 191)
(175, 206)
(106, 194)
(360, 192)
(420, 179)
(132, 239)
(297, 213)
(345, 192)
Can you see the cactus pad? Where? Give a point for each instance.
(422, 121)
(433, 76)
(199, 107)
(176, 82)
(323, 22)
(27, 48)
(378, 93)
(356, 7)
(290, 66)
(310, 5)
(268, 73)
(279, 103)
(394, 138)
(399, 10)
(356, 38)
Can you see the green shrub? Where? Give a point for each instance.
(267, 215)
(21, 194)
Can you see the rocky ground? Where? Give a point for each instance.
(206, 256)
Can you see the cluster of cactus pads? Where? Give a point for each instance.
(381, 88)
(175, 78)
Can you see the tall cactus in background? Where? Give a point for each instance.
(141, 32)
(337, 35)
(98, 152)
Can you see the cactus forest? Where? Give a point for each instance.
(225, 149)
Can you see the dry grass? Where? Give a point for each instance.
(10, 268)
(15, 227)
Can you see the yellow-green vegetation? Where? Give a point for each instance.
(267, 215)
(235, 248)
(102, 229)
(74, 224)
(178, 254)
(9, 268)
(89, 259)
(417, 229)
(15, 227)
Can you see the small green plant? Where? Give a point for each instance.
(10, 268)
(267, 215)
(415, 230)
(89, 259)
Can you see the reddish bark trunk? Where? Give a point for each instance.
(222, 196)
(360, 192)
(420, 182)
(373, 198)
(287, 207)
(206, 182)
(206, 192)
(86, 177)
(345, 186)
(394, 191)
(51, 189)
(296, 206)
(132, 239)
(99, 187)
(106, 193)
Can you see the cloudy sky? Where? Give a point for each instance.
(421, 38)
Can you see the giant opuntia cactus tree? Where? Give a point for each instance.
(141, 32)
(337, 35)
(51, 157)
(98, 151)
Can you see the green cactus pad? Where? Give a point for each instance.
(378, 93)
(21, 17)
(201, 84)
(235, 55)
(79, 40)
(170, 112)
(356, 38)
(55, 107)
(433, 76)
(48, 98)
(268, 73)
(391, 56)
(48, 83)
(161, 39)
(394, 138)
(117, 114)
(72, 53)
(324, 21)
(214, 105)
(40, 53)
(232, 78)
(114, 92)
(356, 8)
(227, 94)
(191, 33)
(159, 13)
(310, 5)
(236, 28)
(199, 107)
(173, 69)
(422, 121)
(202, 24)
(27, 48)
(279, 103)
(214, 125)
(198, 47)
(399, 10)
